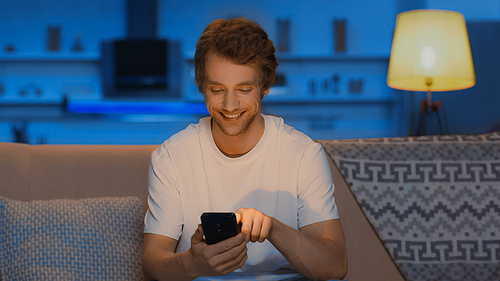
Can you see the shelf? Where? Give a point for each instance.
(122, 107)
(50, 57)
(320, 99)
(326, 58)
(328, 100)
(84, 57)
(333, 58)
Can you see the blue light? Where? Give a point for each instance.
(108, 107)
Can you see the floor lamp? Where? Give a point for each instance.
(431, 53)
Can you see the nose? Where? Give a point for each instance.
(230, 102)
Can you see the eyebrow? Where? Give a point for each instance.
(244, 83)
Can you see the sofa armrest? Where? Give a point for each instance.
(368, 258)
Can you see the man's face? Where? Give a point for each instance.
(232, 95)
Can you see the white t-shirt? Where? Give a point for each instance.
(286, 176)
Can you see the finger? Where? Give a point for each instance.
(265, 229)
(242, 260)
(238, 216)
(229, 261)
(225, 260)
(256, 227)
(246, 226)
(197, 236)
(227, 244)
(241, 236)
(236, 263)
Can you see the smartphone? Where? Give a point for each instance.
(219, 226)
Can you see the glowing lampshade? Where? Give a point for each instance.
(430, 52)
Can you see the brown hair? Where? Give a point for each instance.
(240, 40)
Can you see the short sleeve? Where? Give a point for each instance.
(315, 188)
(164, 215)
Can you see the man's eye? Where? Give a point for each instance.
(246, 90)
(216, 90)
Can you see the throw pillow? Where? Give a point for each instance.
(86, 239)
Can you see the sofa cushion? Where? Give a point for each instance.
(86, 239)
(434, 201)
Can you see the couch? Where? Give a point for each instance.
(415, 208)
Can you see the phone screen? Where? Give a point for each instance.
(219, 226)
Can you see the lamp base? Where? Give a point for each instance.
(432, 119)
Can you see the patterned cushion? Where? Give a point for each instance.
(434, 201)
(85, 239)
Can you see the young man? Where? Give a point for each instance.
(276, 179)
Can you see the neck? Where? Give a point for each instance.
(237, 146)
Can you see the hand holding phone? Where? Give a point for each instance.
(217, 259)
(219, 226)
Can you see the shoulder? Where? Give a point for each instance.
(291, 138)
(182, 139)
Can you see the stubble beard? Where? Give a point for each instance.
(234, 129)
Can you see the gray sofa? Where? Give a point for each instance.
(433, 201)
(412, 208)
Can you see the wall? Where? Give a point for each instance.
(370, 26)
(24, 23)
(475, 110)
(31, 68)
(484, 10)
(369, 23)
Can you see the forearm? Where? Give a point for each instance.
(315, 257)
(164, 265)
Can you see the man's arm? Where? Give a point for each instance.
(317, 250)
(159, 260)
(161, 263)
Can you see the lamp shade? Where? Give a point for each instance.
(430, 52)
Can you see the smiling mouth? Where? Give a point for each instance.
(232, 116)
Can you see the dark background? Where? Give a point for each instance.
(56, 86)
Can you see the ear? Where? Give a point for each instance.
(265, 92)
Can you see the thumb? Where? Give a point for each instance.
(238, 217)
(198, 235)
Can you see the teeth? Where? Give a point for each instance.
(232, 116)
